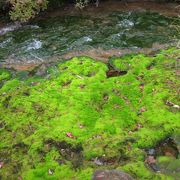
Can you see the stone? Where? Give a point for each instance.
(41, 71)
(111, 175)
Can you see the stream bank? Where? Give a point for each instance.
(112, 29)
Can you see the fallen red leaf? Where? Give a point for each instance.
(70, 135)
(143, 109)
(150, 160)
(1, 164)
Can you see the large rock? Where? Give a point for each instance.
(111, 175)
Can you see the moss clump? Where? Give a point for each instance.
(56, 126)
(4, 75)
(169, 165)
(138, 169)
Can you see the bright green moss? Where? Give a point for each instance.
(140, 171)
(4, 75)
(102, 114)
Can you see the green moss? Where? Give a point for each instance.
(140, 171)
(4, 75)
(169, 165)
(109, 118)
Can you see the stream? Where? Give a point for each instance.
(45, 38)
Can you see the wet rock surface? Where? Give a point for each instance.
(168, 147)
(165, 157)
(111, 175)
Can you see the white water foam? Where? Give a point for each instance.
(35, 44)
(125, 23)
(4, 43)
(10, 27)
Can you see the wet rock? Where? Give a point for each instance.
(155, 167)
(98, 161)
(151, 161)
(50, 171)
(41, 70)
(61, 161)
(164, 157)
(151, 152)
(168, 147)
(111, 175)
(176, 140)
(114, 73)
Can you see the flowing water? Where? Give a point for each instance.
(55, 36)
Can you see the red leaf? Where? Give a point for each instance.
(1, 164)
(70, 135)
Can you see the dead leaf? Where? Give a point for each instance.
(50, 171)
(1, 165)
(143, 109)
(141, 86)
(98, 161)
(150, 160)
(81, 126)
(70, 135)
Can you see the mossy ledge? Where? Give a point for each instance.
(62, 125)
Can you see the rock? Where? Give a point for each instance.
(164, 157)
(151, 152)
(111, 175)
(168, 147)
(1, 164)
(176, 140)
(41, 71)
(50, 171)
(150, 160)
(155, 167)
(98, 162)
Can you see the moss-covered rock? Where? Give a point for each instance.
(4, 75)
(58, 126)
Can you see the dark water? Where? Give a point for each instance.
(55, 36)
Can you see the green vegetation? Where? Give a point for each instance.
(55, 126)
(24, 10)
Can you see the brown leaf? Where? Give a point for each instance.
(150, 160)
(81, 126)
(70, 135)
(1, 164)
(50, 171)
(143, 109)
(130, 132)
(141, 86)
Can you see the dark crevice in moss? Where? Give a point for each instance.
(71, 153)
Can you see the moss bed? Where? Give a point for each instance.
(65, 124)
